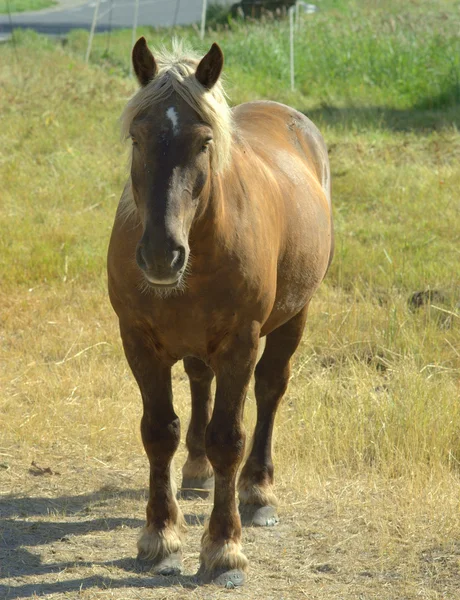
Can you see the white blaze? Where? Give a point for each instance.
(172, 115)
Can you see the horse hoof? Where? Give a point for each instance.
(227, 578)
(258, 516)
(191, 489)
(168, 566)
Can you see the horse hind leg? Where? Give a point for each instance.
(258, 502)
(197, 473)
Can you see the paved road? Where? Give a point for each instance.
(72, 14)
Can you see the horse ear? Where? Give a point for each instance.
(144, 64)
(210, 67)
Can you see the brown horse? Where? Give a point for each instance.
(222, 235)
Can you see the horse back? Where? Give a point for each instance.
(279, 133)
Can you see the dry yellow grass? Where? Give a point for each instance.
(367, 443)
(364, 513)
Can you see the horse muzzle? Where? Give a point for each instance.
(163, 268)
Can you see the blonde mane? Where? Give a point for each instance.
(176, 73)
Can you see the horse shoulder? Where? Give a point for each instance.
(284, 136)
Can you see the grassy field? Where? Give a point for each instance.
(15, 6)
(367, 445)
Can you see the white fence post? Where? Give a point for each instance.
(294, 26)
(91, 33)
(291, 45)
(133, 37)
(203, 19)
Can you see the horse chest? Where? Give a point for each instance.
(180, 328)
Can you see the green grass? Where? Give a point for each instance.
(367, 441)
(15, 6)
(384, 96)
(398, 59)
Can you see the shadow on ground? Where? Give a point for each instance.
(21, 506)
(98, 582)
(71, 519)
(429, 114)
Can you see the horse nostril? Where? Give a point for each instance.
(141, 262)
(178, 258)
(160, 263)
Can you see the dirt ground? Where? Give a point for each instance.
(69, 531)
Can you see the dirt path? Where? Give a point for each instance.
(71, 533)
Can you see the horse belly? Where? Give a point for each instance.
(303, 264)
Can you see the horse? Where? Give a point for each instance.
(222, 235)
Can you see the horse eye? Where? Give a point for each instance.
(134, 141)
(205, 146)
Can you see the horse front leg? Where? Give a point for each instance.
(197, 473)
(222, 560)
(159, 545)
